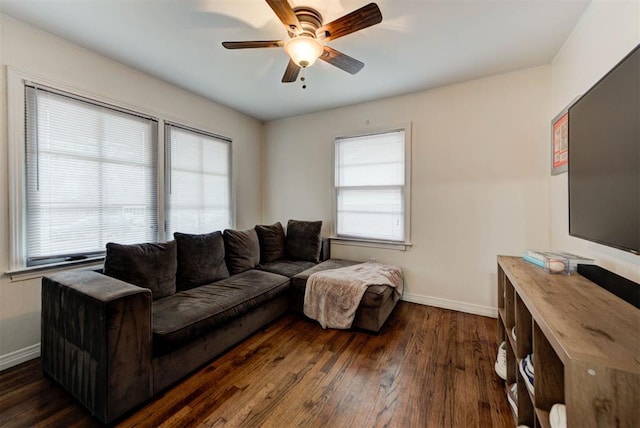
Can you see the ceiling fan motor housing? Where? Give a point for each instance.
(310, 20)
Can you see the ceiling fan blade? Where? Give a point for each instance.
(291, 73)
(285, 12)
(253, 44)
(340, 60)
(364, 17)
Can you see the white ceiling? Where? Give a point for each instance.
(420, 44)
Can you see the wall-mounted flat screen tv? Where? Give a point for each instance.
(604, 159)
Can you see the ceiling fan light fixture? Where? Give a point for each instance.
(303, 50)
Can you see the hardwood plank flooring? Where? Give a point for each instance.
(428, 367)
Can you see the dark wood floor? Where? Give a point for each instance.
(429, 367)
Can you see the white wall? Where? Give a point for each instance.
(35, 52)
(606, 33)
(480, 167)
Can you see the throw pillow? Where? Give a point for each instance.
(150, 265)
(303, 240)
(242, 250)
(271, 240)
(200, 259)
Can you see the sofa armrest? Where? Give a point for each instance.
(96, 340)
(325, 249)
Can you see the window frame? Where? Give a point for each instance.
(167, 169)
(406, 193)
(103, 111)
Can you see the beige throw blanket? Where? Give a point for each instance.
(332, 296)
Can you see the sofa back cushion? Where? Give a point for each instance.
(303, 241)
(242, 250)
(200, 259)
(271, 239)
(149, 265)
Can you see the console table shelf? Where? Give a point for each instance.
(585, 344)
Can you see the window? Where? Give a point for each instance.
(84, 172)
(372, 186)
(91, 177)
(198, 181)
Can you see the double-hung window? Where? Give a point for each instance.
(198, 181)
(372, 186)
(91, 177)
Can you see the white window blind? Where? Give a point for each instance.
(91, 177)
(198, 181)
(370, 186)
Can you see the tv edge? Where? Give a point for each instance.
(604, 159)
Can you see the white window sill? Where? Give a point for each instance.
(23, 274)
(360, 242)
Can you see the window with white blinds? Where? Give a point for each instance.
(91, 177)
(371, 187)
(198, 181)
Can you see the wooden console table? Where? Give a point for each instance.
(585, 344)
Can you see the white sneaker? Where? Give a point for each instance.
(512, 397)
(501, 361)
(526, 370)
(558, 416)
(529, 361)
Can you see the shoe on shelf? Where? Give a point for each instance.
(526, 370)
(558, 416)
(529, 360)
(501, 361)
(512, 397)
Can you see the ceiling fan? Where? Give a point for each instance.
(308, 34)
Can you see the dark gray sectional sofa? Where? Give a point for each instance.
(157, 312)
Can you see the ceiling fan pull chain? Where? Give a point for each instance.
(302, 79)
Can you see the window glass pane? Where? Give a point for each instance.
(91, 177)
(372, 213)
(199, 199)
(215, 159)
(371, 160)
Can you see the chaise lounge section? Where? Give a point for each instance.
(374, 309)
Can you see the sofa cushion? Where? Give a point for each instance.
(242, 250)
(286, 267)
(186, 315)
(149, 265)
(271, 239)
(200, 259)
(303, 241)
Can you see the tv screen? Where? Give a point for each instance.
(604, 159)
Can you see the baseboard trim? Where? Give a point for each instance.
(20, 356)
(451, 304)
